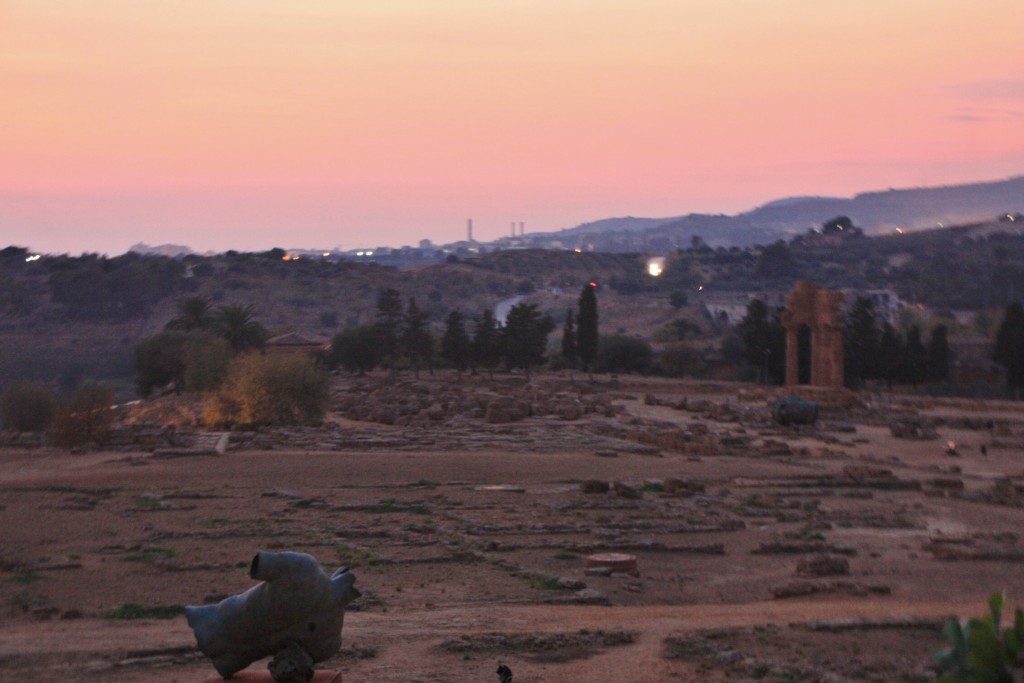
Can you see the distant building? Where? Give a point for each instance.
(296, 342)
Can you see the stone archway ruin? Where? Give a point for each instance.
(818, 309)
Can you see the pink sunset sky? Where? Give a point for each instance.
(247, 124)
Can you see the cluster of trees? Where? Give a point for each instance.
(1009, 348)
(84, 417)
(399, 337)
(870, 350)
(126, 286)
(194, 349)
(217, 353)
(881, 352)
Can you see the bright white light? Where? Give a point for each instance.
(656, 266)
(701, 288)
(33, 257)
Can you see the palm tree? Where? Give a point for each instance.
(193, 314)
(236, 324)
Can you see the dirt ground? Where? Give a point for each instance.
(468, 556)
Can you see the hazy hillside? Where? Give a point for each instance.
(876, 212)
(66, 318)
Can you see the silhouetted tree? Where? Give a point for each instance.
(586, 326)
(764, 342)
(237, 324)
(915, 358)
(776, 261)
(837, 225)
(160, 361)
(569, 352)
(1009, 347)
(620, 353)
(194, 313)
(389, 322)
(357, 349)
(890, 355)
(416, 342)
(938, 354)
(456, 346)
(487, 341)
(525, 337)
(678, 299)
(861, 340)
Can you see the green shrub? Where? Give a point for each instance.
(133, 610)
(980, 650)
(619, 353)
(27, 406)
(206, 363)
(279, 389)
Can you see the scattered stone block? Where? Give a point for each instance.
(617, 563)
(594, 486)
(823, 564)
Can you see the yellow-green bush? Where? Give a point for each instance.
(284, 389)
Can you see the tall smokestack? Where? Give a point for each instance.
(513, 228)
(469, 229)
(522, 230)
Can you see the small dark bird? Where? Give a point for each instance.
(504, 674)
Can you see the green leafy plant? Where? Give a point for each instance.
(980, 651)
(133, 610)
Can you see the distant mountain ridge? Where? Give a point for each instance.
(876, 212)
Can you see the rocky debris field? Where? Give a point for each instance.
(641, 530)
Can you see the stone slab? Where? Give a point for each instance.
(265, 677)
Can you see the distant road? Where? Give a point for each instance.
(504, 306)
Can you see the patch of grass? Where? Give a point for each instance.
(363, 558)
(21, 602)
(27, 578)
(147, 501)
(389, 505)
(216, 522)
(133, 610)
(424, 484)
(149, 555)
(545, 583)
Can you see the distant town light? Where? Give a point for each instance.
(592, 284)
(655, 266)
(578, 250)
(33, 257)
(701, 288)
(327, 253)
(899, 231)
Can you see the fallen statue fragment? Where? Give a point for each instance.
(297, 603)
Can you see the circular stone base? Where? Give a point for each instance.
(264, 677)
(617, 562)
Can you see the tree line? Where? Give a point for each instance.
(399, 337)
(873, 349)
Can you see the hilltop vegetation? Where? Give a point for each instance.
(65, 318)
